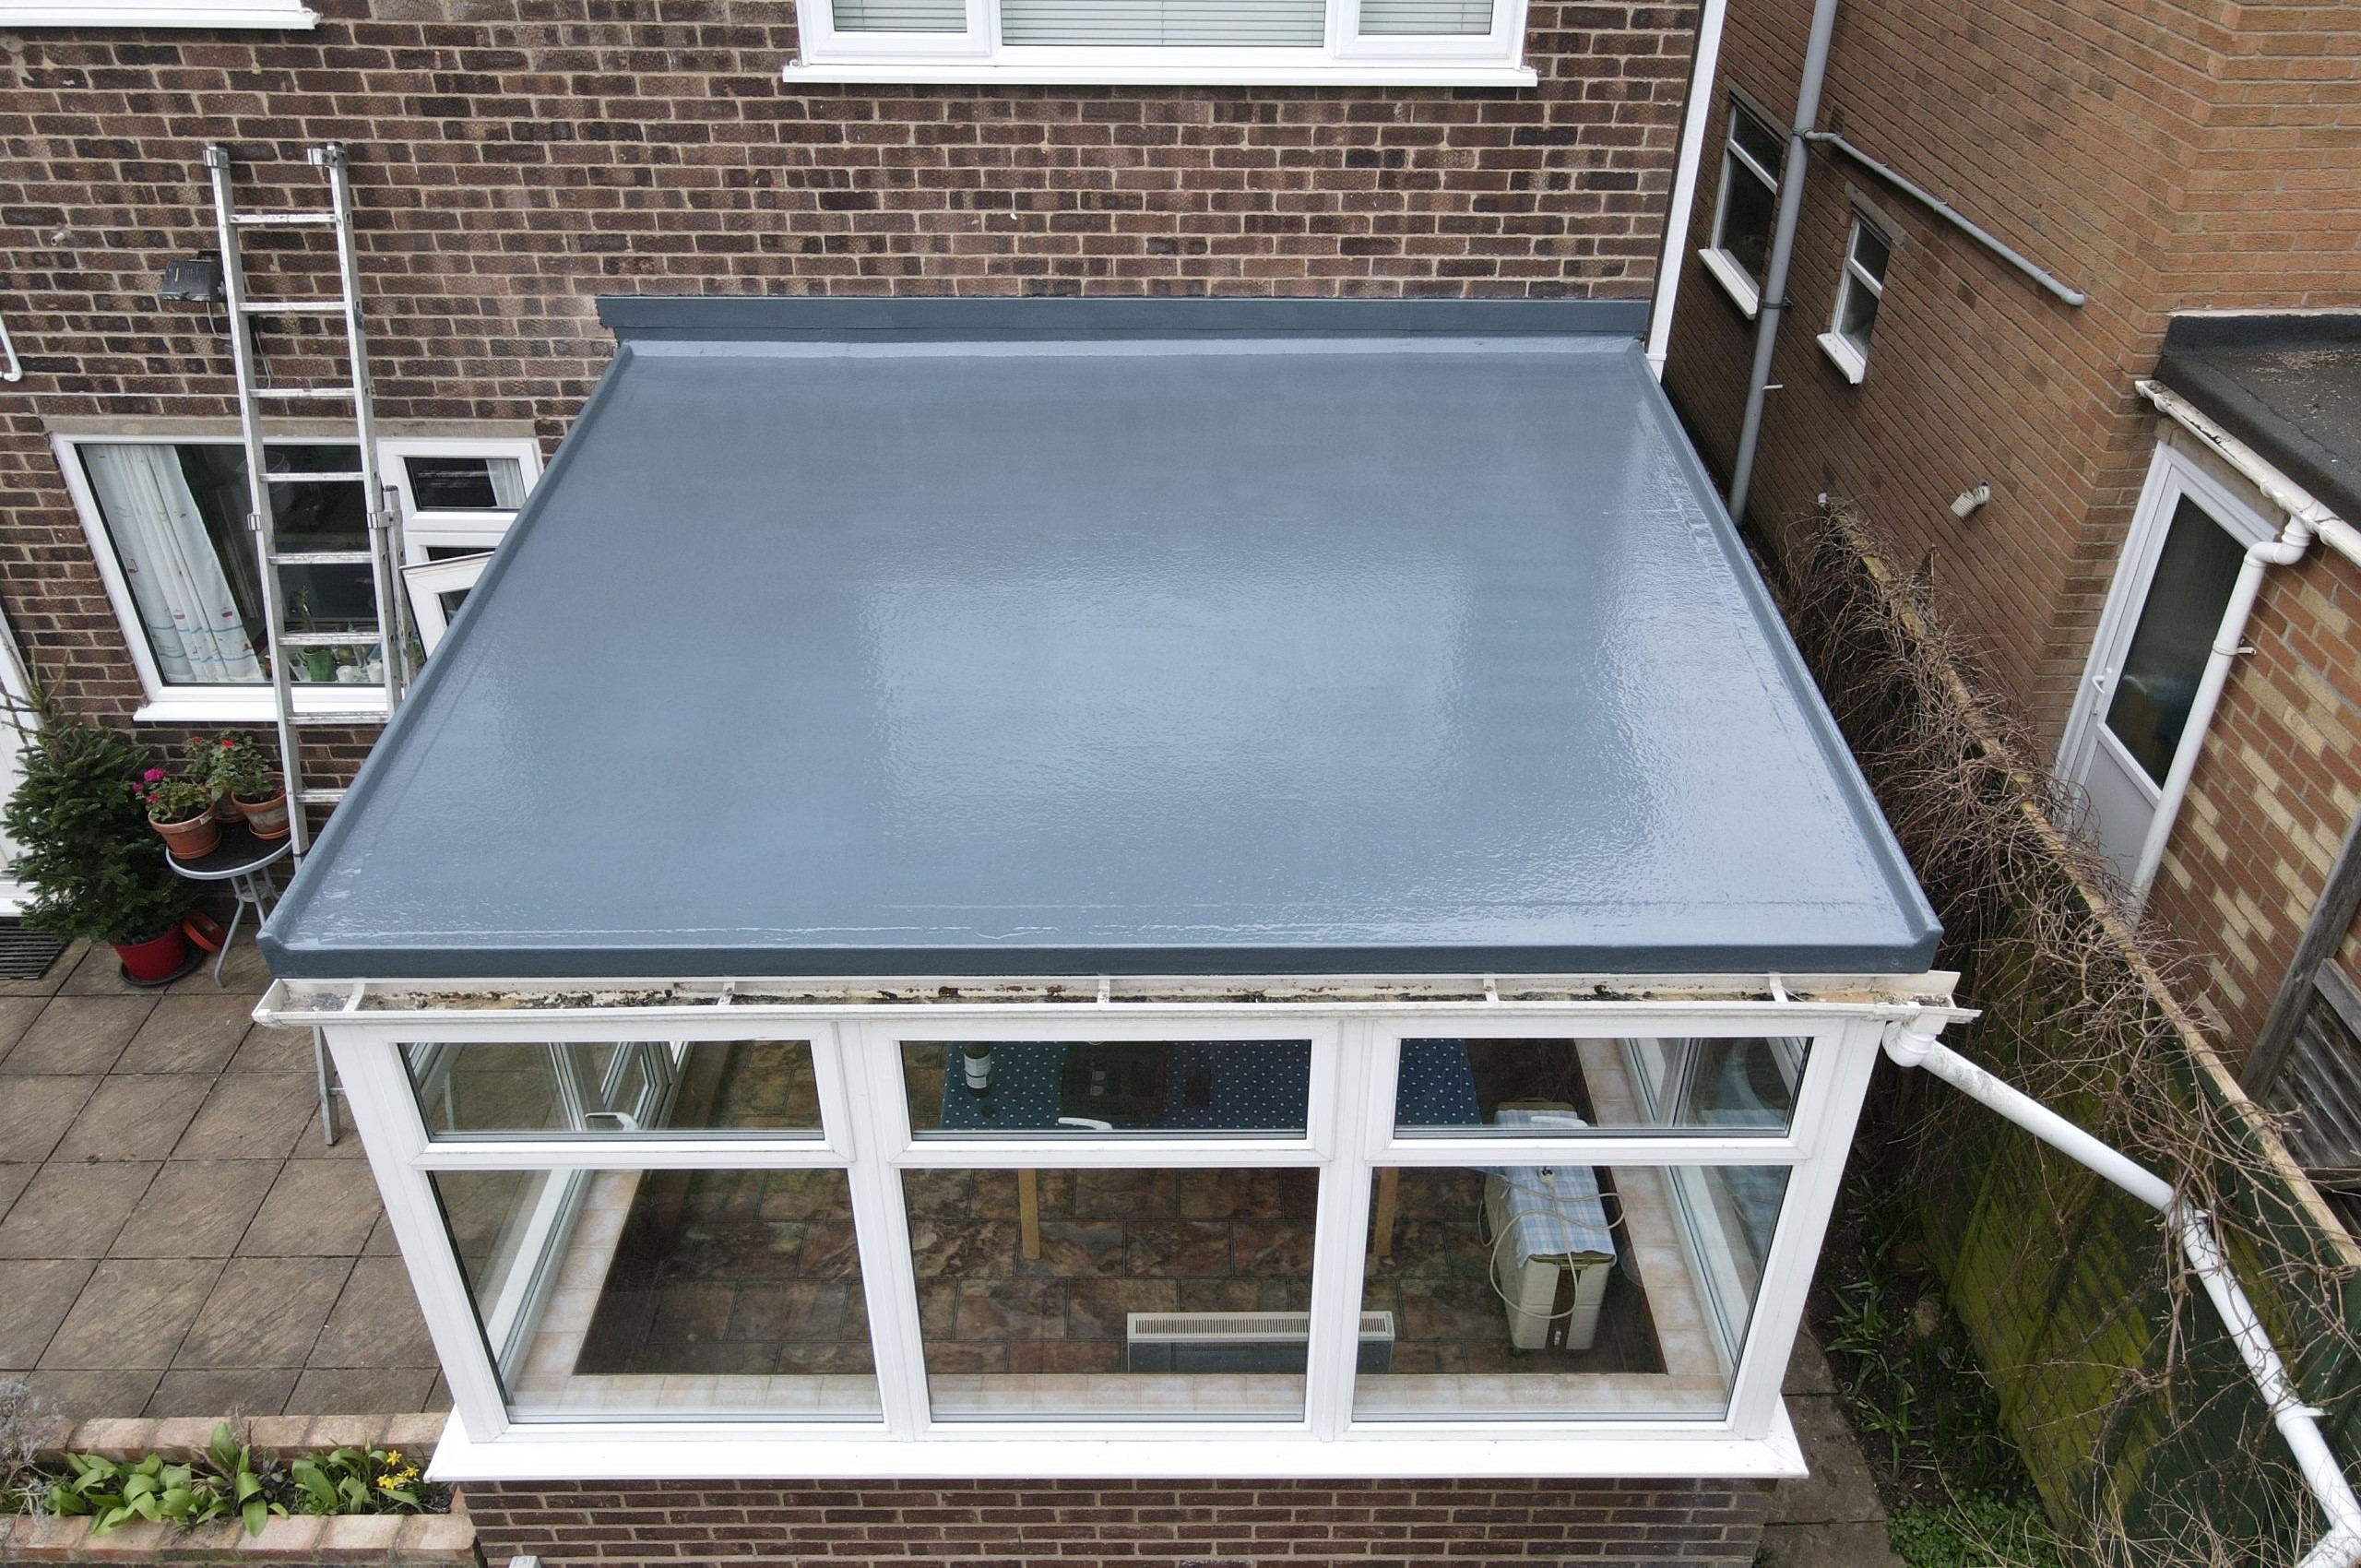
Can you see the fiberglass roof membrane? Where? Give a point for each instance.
(1058, 637)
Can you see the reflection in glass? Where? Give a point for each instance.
(1114, 1293)
(637, 1087)
(465, 484)
(1093, 1086)
(718, 1293)
(2185, 602)
(1520, 1087)
(1566, 1290)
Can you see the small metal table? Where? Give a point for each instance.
(243, 862)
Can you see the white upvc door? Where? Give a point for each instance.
(2130, 720)
(16, 725)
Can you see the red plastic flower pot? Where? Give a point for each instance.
(157, 959)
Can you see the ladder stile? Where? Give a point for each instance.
(390, 634)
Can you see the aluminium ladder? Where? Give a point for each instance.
(391, 633)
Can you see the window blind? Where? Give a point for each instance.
(901, 16)
(1266, 24)
(1425, 19)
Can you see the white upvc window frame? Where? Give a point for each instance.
(158, 14)
(1850, 357)
(856, 1051)
(1738, 163)
(251, 704)
(1343, 59)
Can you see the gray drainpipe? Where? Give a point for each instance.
(1783, 249)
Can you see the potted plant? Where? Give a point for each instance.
(241, 774)
(180, 810)
(84, 853)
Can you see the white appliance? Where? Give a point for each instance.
(1552, 1300)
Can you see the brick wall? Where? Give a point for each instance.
(513, 158)
(1137, 1524)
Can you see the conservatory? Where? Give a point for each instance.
(1112, 888)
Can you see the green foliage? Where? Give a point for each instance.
(357, 1481)
(84, 847)
(1975, 1531)
(235, 765)
(115, 1492)
(173, 800)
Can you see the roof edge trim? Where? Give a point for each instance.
(949, 320)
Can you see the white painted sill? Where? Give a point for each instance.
(1101, 72)
(150, 14)
(210, 707)
(1733, 280)
(1845, 357)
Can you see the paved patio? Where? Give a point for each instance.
(176, 1239)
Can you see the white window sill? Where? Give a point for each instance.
(1100, 72)
(150, 13)
(1734, 281)
(1845, 357)
(252, 708)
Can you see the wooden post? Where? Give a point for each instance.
(1028, 1213)
(1389, 1190)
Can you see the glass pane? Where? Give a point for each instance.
(1459, 19)
(1114, 1293)
(643, 1087)
(465, 484)
(900, 16)
(1571, 1290)
(1870, 251)
(718, 1293)
(1747, 211)
(1540, 1087)
(1761, 143)
(1093, 1086)
(1858, 315)
(2186, 598)
(1168, 23)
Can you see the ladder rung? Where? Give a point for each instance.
(308, 719)
(303, 391)
(328, 639)
(324, 558)
(293, 308)
(319, 797)
(273, 220)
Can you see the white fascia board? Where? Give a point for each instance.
(1620, 1450)
(152, 14)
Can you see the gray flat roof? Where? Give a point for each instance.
(2286, 383)
(1060, 636)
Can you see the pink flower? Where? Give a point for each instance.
(152, 775)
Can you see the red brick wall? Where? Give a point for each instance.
(1137, 1524)
(513, 158)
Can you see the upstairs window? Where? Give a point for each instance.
(158, 14)
(1858, 292)
(1752, 156)
(1473, 42)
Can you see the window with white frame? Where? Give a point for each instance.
(1753, 154)
(1475, 42)
(1298, 1225)
(158, 14)
(166, 521)
(1867, 251)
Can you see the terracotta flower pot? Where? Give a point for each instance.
(225, 810)
(156, 958)
(190, 840)
(267, 819)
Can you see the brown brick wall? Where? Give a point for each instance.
(1600, 1524)
(2161, 156)
(513, 158)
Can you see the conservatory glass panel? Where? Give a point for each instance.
(715, 1293)
(1548, 1087)
(1093, 1087)
(1118, 1294)
(643, 1087)
(1596, 1291)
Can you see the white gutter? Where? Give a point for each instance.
(1913, 1044)
(2300, 504)
(1684, 181)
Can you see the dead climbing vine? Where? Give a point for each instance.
(2134, 1414)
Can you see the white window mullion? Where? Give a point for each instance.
(871, 1056)
(1340, 1242)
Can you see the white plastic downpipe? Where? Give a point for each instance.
(1684, 181)
(2284, 550)
(1913, 1044)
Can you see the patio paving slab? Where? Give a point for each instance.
(330, 1389)
(316, 1208)
(35, 1113)
(133, 1117)
(72, 1211)
(227, 1392)
(78, 1034)
(133, 1313)
(375, 1324)
(190, 1034)
(14, 1179)
(17, 1015)
(40, 1293)
(252, 1116)
(264, 1312)
(268, 1049)
(197, 1209)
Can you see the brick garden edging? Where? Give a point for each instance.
(443, 1540)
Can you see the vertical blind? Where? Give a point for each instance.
(1266, 24)
(901, 16)
(1425, 19)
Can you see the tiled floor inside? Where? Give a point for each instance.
(176, 1237)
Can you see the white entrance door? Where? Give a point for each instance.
(2130, 716)
(16, 724)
